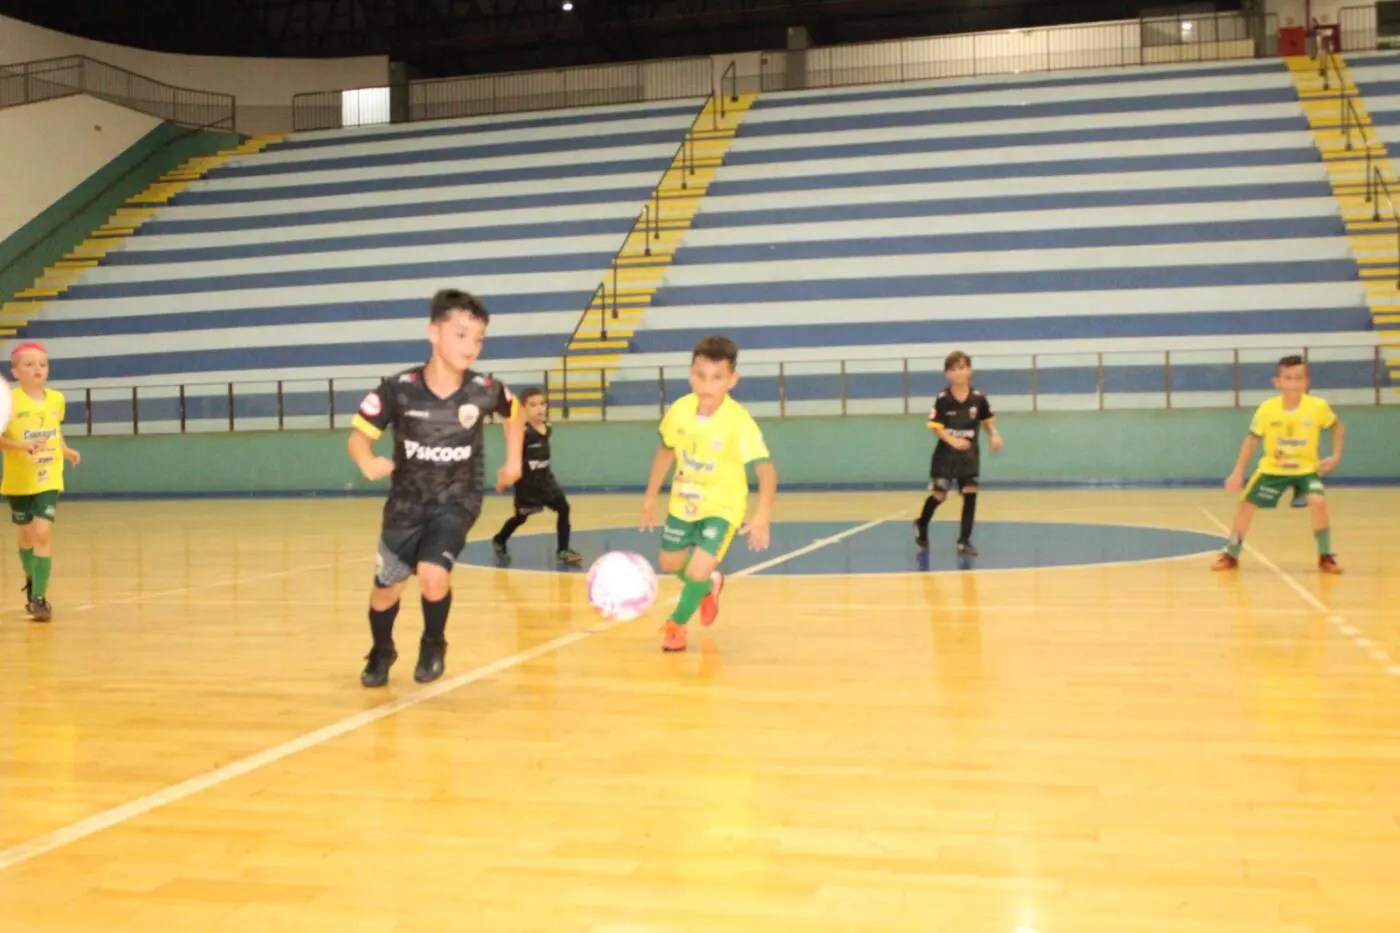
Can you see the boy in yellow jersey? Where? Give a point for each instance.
(715, 439)
(1290, 429)
(34, 453)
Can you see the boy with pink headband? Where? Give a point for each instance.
(34, 453)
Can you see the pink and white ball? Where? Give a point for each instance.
(621, 586)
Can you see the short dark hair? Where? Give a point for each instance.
(450, 299)
(717, 348)
(529, 394)
(1288, 362)
(955, 358)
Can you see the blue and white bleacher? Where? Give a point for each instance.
(315, 260)
(1377, 77)
(1166, 218)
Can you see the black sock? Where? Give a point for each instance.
(563, 528)
(381, 625)
(435, 618)
(968, 516)
(510, 527)
(926, 515)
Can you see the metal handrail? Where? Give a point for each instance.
(52, 78)
(1376, 188)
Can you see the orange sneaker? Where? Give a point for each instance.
(1225, 562)
(709, 606)
(674, 639)
(1327, 563)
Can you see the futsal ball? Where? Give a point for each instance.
(621, 586)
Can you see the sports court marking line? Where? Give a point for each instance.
(1336, 621)
(271, 575)
(74, 832)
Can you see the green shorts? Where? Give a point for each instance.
(24, 509)
(711, 535)
(1266, 489)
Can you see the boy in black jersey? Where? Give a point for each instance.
(957, 416)
(537, 489)
(437, 412)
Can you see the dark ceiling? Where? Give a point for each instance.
(454, 37)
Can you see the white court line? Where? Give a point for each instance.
(234, 581)
(67, 835)
(1337, 621)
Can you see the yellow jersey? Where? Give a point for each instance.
(1291, 440)
(711, 456)
(30, 420)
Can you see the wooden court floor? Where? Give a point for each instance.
(1124, 746)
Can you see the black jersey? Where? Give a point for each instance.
(439, 450)
(959, 419)
(537, 485)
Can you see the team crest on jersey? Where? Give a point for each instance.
(468, 415)
(372, 407)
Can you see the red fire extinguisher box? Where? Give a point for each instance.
(1292, 40)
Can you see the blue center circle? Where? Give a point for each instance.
(887, 547)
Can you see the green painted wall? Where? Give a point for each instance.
(1068, 447)
(72, 217)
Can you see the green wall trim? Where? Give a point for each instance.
(65, 223)
(1051, 448)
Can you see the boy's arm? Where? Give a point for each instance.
(660, 468)
(759, 533)
(361, 449)
(1235, 480)
(1339, 440)
(375, 414)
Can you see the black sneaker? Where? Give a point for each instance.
(431, 655)
(40, 610)
(567, 556)
(920, 535)
(378, 662)
(966, 549)
(502, 553)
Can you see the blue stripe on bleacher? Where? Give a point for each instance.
(952, 333)
(430, 130)
(992, 283)
(340, 313)
(1014, 140)
(994, 171)
(565, 262)
(455, 235)
(1381, 88)
(396, 211)
(255, 168)
(543, 174)
(1016, 203)
(1385, 117)
(947, 88)
(1078, 380)
(989, 114)
(1067, 238)
(255, 360)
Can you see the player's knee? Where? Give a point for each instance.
(1317, 502)
(383, 597)
(971, 490)
(40, 533)
(671, 561)
(434, 582)
(701, 566)
(939, 495)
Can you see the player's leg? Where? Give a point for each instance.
(937, 494)
(968, 488)
(709, 605)
(1313, 492)
(1261, 492)
(442, 544)
(391, 571)
(700, 579)
(43, 513)
(511, 526)
(21, 517)
(563, 530)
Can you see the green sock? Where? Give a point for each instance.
(694, 592)
(1324, 541)
(26, 558)
(42, 566)
(1235, 546)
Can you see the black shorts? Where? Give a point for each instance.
(438, 540)
(537, 495)
(953, 468)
